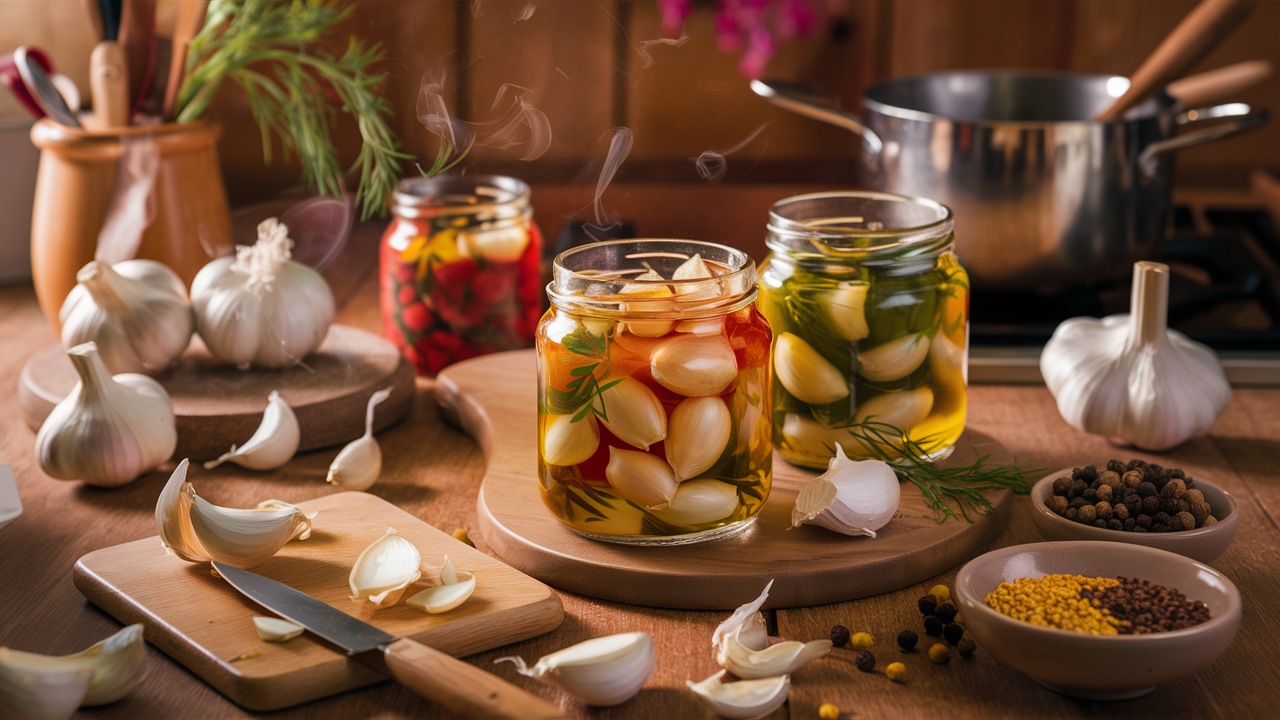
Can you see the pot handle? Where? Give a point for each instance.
(1248, 119)
(811, 102)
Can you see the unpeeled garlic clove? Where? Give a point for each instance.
(384, 570)
(895, 359)
(697, 502)
(566, 442)
(45, 686)
(449, 594)
(277, 630)
(634, 413)
(847, 307)
(272, 445)
(742, 645)
(358, 465)
(697, 436)
(742, 699)
(603, 671)
(903, 410)
(851, 498)
(694, 365)
(642, 478)
(805, 373)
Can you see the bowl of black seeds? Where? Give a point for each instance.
(1139, 503)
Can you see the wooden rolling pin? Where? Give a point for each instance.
(1214, 86)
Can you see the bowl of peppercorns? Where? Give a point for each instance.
(1139, 503)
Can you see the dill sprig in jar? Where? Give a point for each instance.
(869, 309)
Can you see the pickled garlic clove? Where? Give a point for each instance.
(649, 294)
(634, 413)
(642, 478)
(851, 498)
(698, 502)
(903, 410)
(567, 442)
(694, 365)
(384, 570)
(846, 306)
(742, 699)
(695, 269)
(806, 435)
(504, 245)
(895, 359)
(805, 373)
(699, 431)
(705, 326)
(948, 362)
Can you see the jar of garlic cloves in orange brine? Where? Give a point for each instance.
(653, 395)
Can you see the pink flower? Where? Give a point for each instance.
(673, 14)
(751, 27)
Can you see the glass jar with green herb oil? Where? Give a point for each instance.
(869, 309)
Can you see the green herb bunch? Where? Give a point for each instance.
(294, 92)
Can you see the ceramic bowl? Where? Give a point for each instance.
(1203, 544)
(1098, 667)
(10, 503)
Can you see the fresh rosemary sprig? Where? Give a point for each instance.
(242, 39)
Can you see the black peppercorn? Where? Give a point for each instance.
(1144, 522)
(932, 626)
(1090, 495)
(952, 632)
(1134, 503)
(1130, 524)
(946, 612)
(1087, 515)
(1175, 488)
(907, 640)
(966, 647)
(927, 604)
(839, 636)
(1071, 513)
(1120, 512)
(1136, 463)
(1056, 503)
(1157, 469)
(1184, 505)
(1175, 524)
(1146, 489)
(1161, 518)
(1088, 473)
(1103, 510)
(1177, 473)
(1061, 486)
(1105, 493)
(1168, 505)
(1078, 487)
(1111, 478)
(1114, 524)
(1131, 479)
(1078, 503)
(1139, 529)
(1116, 466)
(1095, 483)
(1150, 505)
(865, 661)
(1100, 523)
(1159, 528)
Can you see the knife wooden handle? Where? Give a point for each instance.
(463, 689)
(109, 85)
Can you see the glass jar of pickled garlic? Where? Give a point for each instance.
(870, 314)
(653, 393)
(460, 269)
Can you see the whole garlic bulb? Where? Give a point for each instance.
(261, 308)
(851, 497)
(1129, 377)
(136, 311)
(109, 430)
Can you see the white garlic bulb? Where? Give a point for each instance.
(108, 430)
(742, 645)
(358, 465)
(261, 308)
(851, 497)
(44, 686)
(136, 311)
(603, 671)
(273, 444)
(1130, 377)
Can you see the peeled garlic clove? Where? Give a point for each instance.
(644, 479)
(895, 359)
(604, 671)
(700, 501)
(699, 431)
(695, 268)
(694, 365)
(847, 307)
(39, 686)
(276, 629)
(806, 435)
(948, 362)
(652, 293)
(448, 575)
(272, 445)
(443, 598)
(742, 699)
(742, 647)
(567, 442)
(506, 244)
(903, 410)
(851, 498)
(384, 570)
(358, 465)
(805, 373)
(705, 326)
(634, 413)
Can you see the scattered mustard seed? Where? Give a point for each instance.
(828, 711)
(940, 653)
(941, 593)
(861, 641)
(897, 672)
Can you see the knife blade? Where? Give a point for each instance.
(463, 689)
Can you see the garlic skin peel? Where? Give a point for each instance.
(449, 594)
(198, 531)
(273, 444)
(742, 699)
(260, 307)
(642, 478)
(603, 671)
(272, 629)
(359, 464)
(40, 686)
(1130, 377)
(851, 497)
(384, 570)
(742, 645)
(805, 373)
(635, 414)
(136, 311)
(699, 431)
(108, 430)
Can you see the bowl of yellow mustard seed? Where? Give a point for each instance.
(1098, 620)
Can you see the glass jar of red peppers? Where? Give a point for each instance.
(460, 269)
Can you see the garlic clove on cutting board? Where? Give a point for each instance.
(273, 444)
(742, 645)
(452, 591)
(603, 671)
(851, 497)
(384, 570)
(359, 463)
(272, 629)
(43, 686)
(742, 699)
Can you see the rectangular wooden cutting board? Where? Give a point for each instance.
(203, 623)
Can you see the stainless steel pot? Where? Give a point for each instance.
(1043, 195)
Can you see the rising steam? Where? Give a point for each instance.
(712, 166)
(514, 114)
(526, 12)
(646, 59)
(619, 147)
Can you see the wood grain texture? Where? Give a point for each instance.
(203, 623)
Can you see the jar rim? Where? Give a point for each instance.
(452, 192)
(836, 233)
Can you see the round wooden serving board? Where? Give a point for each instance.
(494, 398)
(217, 405)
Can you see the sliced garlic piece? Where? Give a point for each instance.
(694, 365)
(851, 498)
(805, 373)
(846, 306)
(359, 464)
(697, 502)
(652, 303)
(384, 570)
(272, 445)
(276, 630)
(742, 699)
(742, 645)
(567, 442)
(644, 479)
(603, 671)
(806, 435)
(40, 686)
(634, 413)
(699, 431)
(447, 596)
(903, 410)
(895, 359)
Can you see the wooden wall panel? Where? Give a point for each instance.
(931, 35)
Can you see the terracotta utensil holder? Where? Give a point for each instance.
(192, 223)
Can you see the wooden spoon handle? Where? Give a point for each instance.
(463, 689)
(109, 85)
(1207, 88)
(1195, 37)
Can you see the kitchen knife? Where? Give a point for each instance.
(463, 689)
(42, 88)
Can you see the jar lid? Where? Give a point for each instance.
(495, 195)
(860, 223)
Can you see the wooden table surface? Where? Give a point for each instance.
(433, 471)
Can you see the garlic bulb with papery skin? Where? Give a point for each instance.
(847, 307)
(261, 308)
(742, 699)
(634, 413)
(895, 359)
(359, 463)
(851, 498)
(742, 645)
(566, 442)
(805, 373)
(273, 444)
(694, 365)
(603, 671)
(384, 570)
(108, 430)
(644, 479)
(698, 433)
(43, 686)
(136, 311)
(198, 531)
(700, 501)
(1130, 377)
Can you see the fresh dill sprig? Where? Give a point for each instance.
(263, 47)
